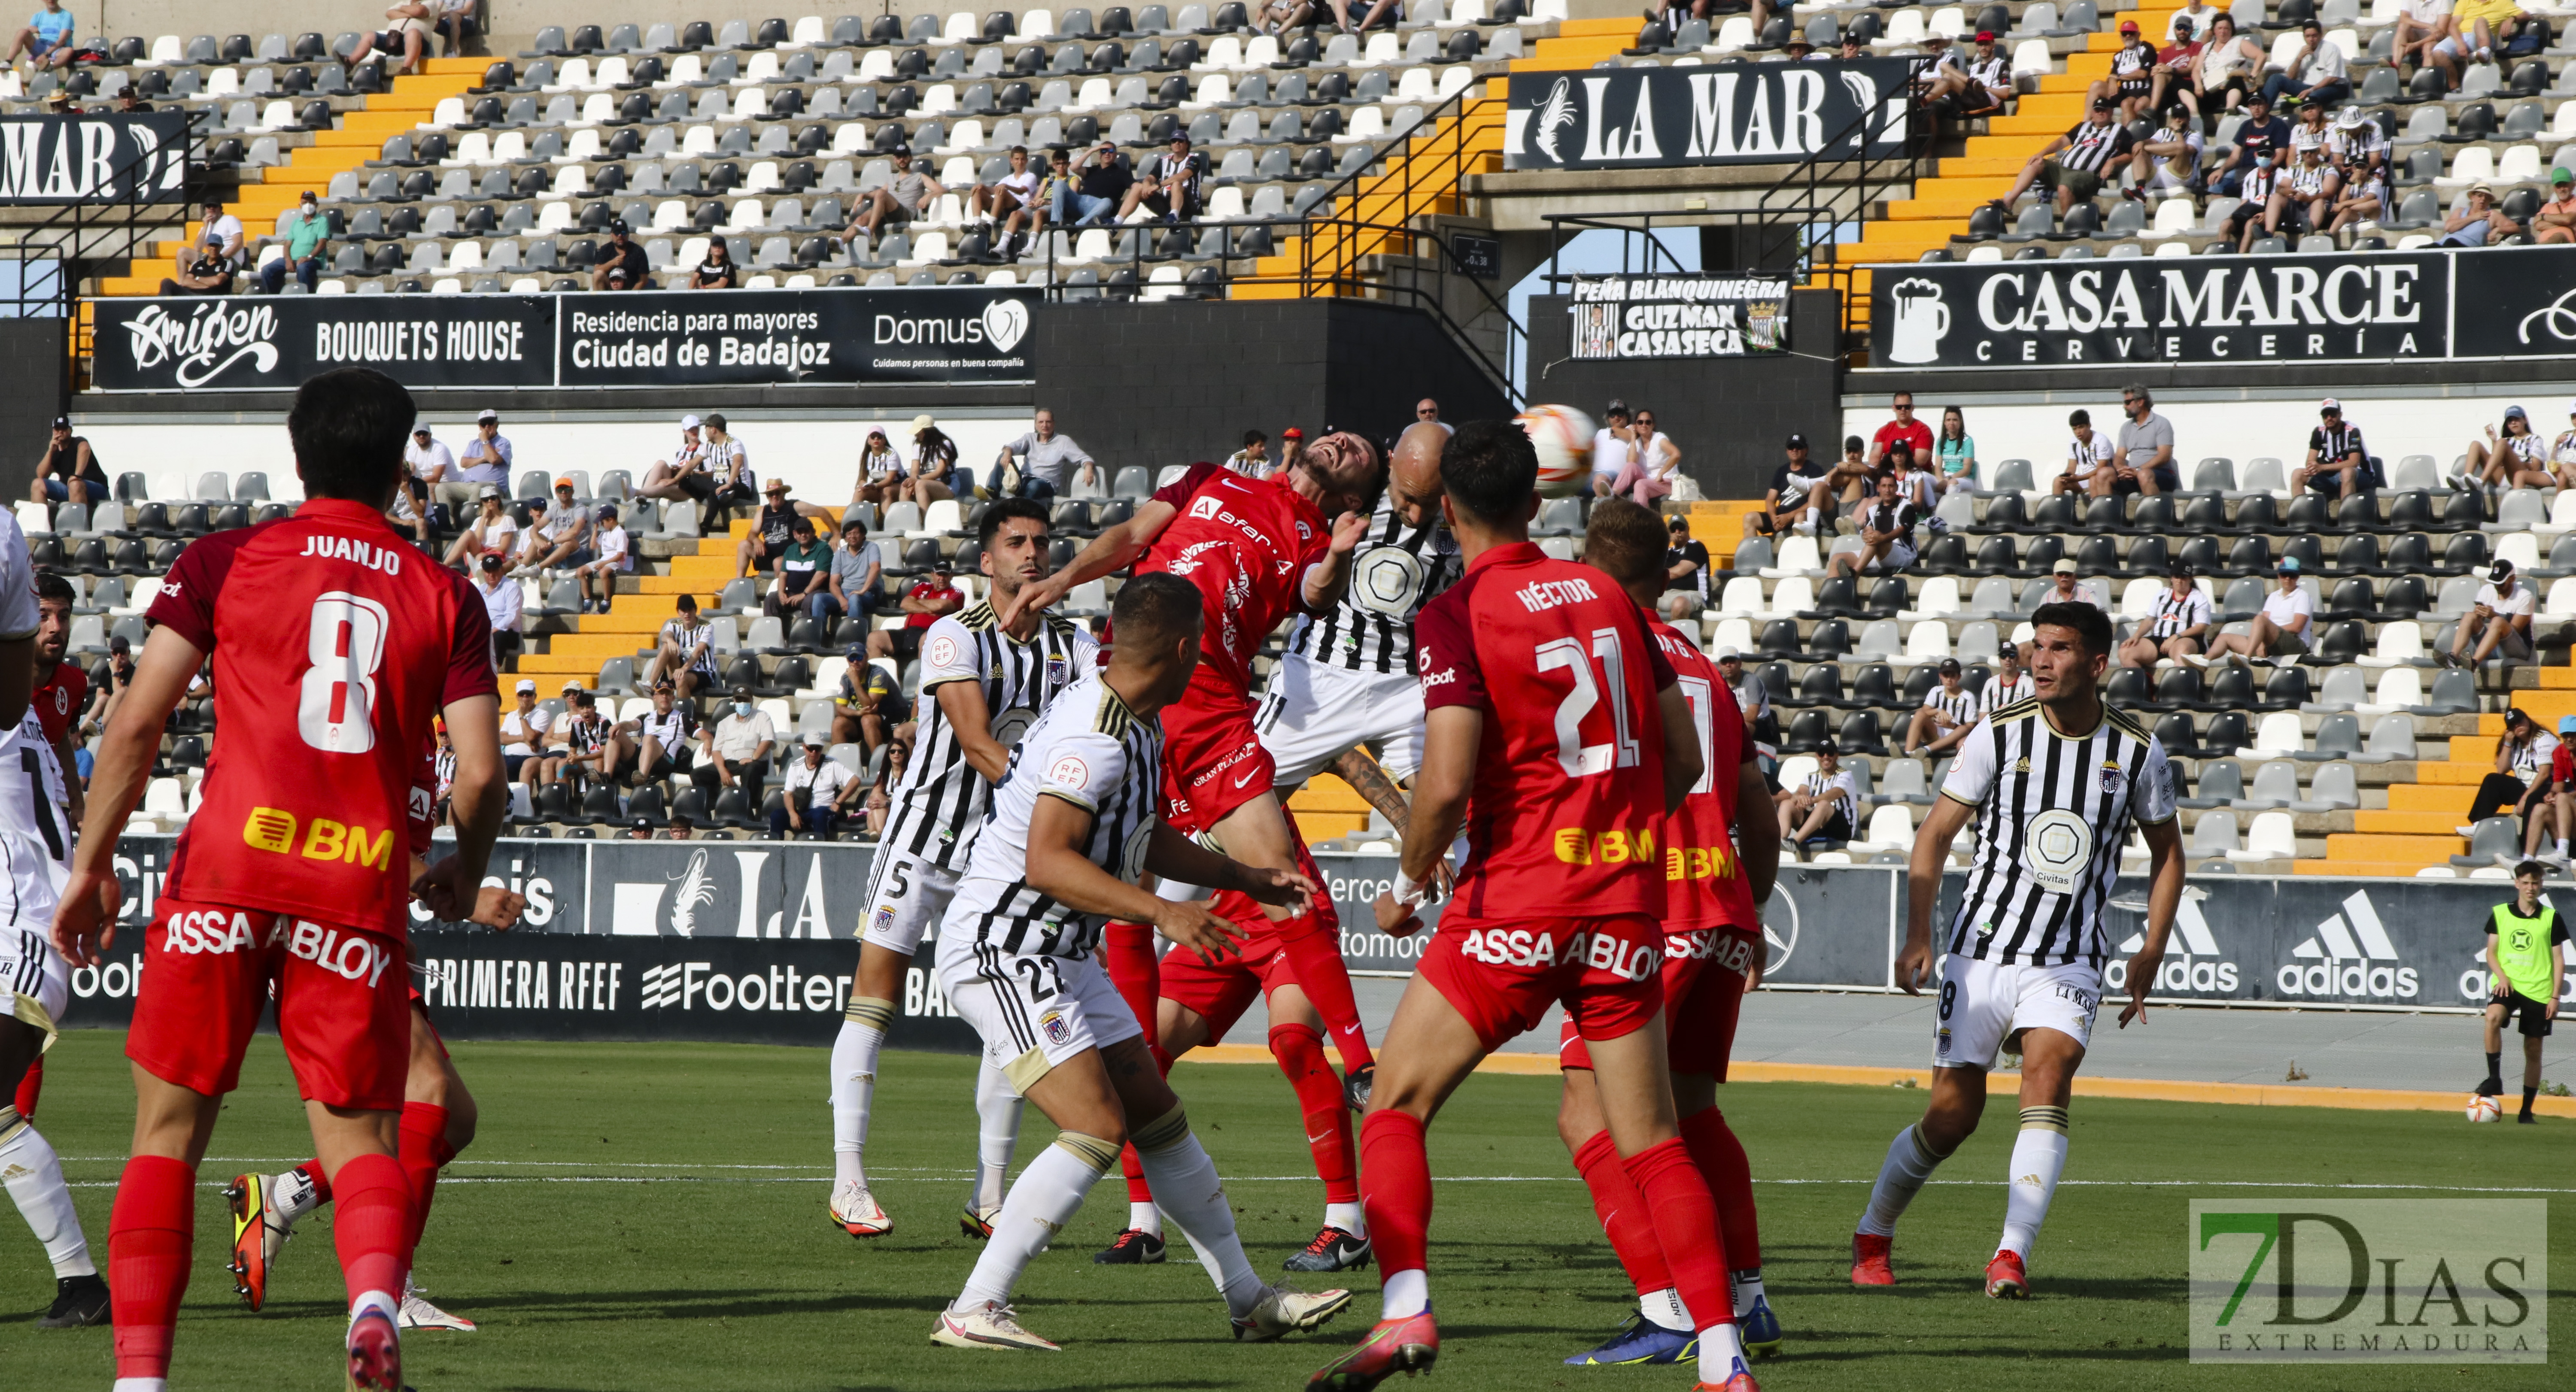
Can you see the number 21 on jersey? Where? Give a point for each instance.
(1568, 655)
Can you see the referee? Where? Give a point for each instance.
(2526, 952)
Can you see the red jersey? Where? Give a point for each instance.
(59, 700)
(1916, 434)
(1566, 817)
(335, 641)
(927, 592)
(1703, 882)
(1246, 544)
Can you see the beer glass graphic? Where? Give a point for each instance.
(1920, 320)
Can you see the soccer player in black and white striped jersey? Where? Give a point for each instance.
(1943, 719)
(981, 686)
(2053, 784)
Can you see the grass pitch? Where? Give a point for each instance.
(647, 1217)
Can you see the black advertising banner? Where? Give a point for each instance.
(1679, 316)
(2377, 307)
(948, 334)
(2514, 302)
(1723, 113)
(93, 159)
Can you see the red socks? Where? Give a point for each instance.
(1127, 950)
(374, 1226)
(1721, 1162)
(1138, 1191)
(1623, 1214)
(1395, 1175)
(1313, 943)
(1300, 1052)
(148, 1236)
(1685, 1219)
(31, 1086)
(424, 1149)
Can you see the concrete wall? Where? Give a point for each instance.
(31, 362)
(513, 20)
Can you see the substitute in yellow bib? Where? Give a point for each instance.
(2526, 955)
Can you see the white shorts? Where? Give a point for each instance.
(906, 896)
(1033, 1012)
(35, 981)
(1313, 713)
(1984, 1005)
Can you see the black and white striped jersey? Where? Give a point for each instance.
(1396, 570)
(2173, 616)
(35, 827)
(1092, 751)
(2052, 813)
(1838, 788)
(1958, 707)
(1999, 693)
(941, 800)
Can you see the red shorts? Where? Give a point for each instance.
(1220, 994)
(1213, 760)
(1703, 975)
(340, 1006)
(1503, 973)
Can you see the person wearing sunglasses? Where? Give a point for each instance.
(1652, 464)
(1428, 410)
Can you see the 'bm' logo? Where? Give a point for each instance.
(273, 829)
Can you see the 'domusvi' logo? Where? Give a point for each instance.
(201, 346)
(1006, 322)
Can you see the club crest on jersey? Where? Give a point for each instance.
(1059, 669)
(2113, 777)
(1058, 1032)
(884, 922)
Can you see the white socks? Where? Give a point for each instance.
(1349, 1217)
(34, 1178)
(1186, 1186)
(1405, 1294)
(1145, 1217)
(1049, 1192)
(1721, 1353)
(141, 1385)
(854, 1083)
(1664, 1310)
(1748, 1289)
(381, 1302)
(997, 1117)
(1909, 1163)
(2038, 1158)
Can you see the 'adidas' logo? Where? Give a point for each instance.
(2021, 765)
(2351, 936)
(2189, 924)
(2030, 1179)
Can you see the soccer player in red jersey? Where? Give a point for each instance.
(1549, 701)
(1718, 867)
(334, 642)
(1258, 550)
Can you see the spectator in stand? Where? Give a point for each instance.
(681, 829)
(1915, 482)
(560, 538)
(851, 579)
(46, 42)
(2259, 133)
(1972, 85)
(2500, 622)
(1654, 462)
(881, 479)
(2177, 64)
(1048, 460)
(2516, 459)
(717, 271)
(2280, 631)
(107, 684)
(1098, 186)
(663, 738)
(684, 651)
(683, 475)
(2361, 196)
(1789, 504)
(2143, 460)
(2088, 459)
(1292, 447)
(922, 606)
(2556, 220)
(1850, 47)
(2008, 684)
(2303, 200)
(858, 705)
(622, 263)
(493, 531)
(1168, 185)
(1011, 198)
(2478, 28)
(2130, 86)
(2223, 75)
(819, 792)
(2064, 588)
(1886, 535)
(1612, 444)
(1954, 453)
(1277, 17)
(2356, 147)
(880, 805)
(488, 457)
(525, 728)
(2168, 159)
(1753, 701)
(2174, 628)
(641, 829)
(2477, 221)
(612, 556)
(208, 267)
(2421, 27)
(406, 516)
(1948, 712)
(593, 752)
(457, 17)
(1849, 486)
(1904, 427)
(428, 464)
(1253, 460)
(1826, 807)
(2316, 72)
(734, 752)
(308, 235)
(405, 38)
(1686, 572)
(502, 603)
(2562, 453)
(2070, 166)
(2523, 760)
(804, 572)
(728, 465)
(2260, 194)
(1429, 410)
(774, 530)
(2338, 464)
(2554, 808)
(906, 196)
(934, 462)
(69, 472)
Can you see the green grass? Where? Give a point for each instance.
(708, 1264)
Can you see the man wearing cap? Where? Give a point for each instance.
(1826, 807)
(662, 737)
(69, 472)
(1168, 185)
(1047, 459)
(1100, 183)
(922, 606)
(2131, 84)
(427, 464)
(1944, 718)
(804, 571)
(2556, 220)
(2478, 221)
(2175, 63)
(308, 235)
(2008, 683)
(502, 601)
(2174, 628)
(561, 537)
(819, 793)
(2338, 464)
(487, 458)
(683, 476)
(1801, 49)
(2168, 159)
(2064, 588)
(2500, 622)
(734, 752)
(2071, 165)
(593, 752)
(906, 196)
(1686, 571)
(526, 730)
(684, 650)
(773, 531)
(2280, 631)
(2260, 133)
(1788, 505)
(622, 255)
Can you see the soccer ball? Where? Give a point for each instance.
(1563, 437)
(2484, 1108)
